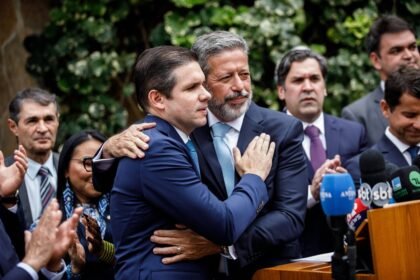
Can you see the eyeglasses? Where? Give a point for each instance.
(86, 161)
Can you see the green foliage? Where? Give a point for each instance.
(86, 51)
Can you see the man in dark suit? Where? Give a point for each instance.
(401, 107)
(273, 237)
(391, 43)
(33, 119)
(46, 244)
(300, 76)
(164, 187)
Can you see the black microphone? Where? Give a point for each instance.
(416, 161)
(405, 183)
(375, 190)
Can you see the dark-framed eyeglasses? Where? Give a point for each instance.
(86, 161)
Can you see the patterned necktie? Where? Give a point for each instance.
(224, 155)
(46, 189)
(317, 151)
(193, 155)
(413, 151)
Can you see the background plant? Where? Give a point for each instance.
(86, 52)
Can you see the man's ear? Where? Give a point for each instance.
(281, 92)
(386, 110)
(13, 126)
(156, 100)
(375, 59)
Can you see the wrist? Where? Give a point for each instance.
(54, 265)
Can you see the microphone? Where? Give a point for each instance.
(416, 161)
(374, 190)
(337, 196)
(406, 183)
(358, 215)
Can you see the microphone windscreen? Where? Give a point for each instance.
(337, 194)
(372, 167)
(405, 183)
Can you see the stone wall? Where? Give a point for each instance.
(18, 18)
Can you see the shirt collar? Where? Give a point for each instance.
(382, 85)
(235, 124)
(182, 134)
(33, 166)
(402, 147)
(319, 122)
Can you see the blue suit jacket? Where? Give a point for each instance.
(9, 259)
(388, 150)
(367, 111)
(273, 237)
(347, 139)
(163, 189)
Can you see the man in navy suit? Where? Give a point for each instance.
(401, 107)
(164, 187)
(391, 43)
(300, 76)
(273, 237)
(46, 244)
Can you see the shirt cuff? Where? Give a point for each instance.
(100, 163)
(55, 275)
(229, 252)
(311, 202)
(29, 269)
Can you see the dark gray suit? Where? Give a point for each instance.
(367, 111)
(24, 210)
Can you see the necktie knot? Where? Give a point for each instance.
(43, 171)
(220, 129)
(190, 146)
(413, 151)
(312, 131)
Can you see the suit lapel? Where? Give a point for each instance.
(391, 152)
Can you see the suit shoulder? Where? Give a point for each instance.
(348, 124)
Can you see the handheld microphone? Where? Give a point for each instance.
(406, 183)
(337, 199)
(358, 215)
(375, 190)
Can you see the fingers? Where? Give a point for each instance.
(236, 154)
(172, 250)
(1, 158)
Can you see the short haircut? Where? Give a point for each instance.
(37, 95)
(405, 80)
(298, 54)
(214, 43)
(384, 24)
(154, 70)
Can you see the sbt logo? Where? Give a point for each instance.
(379, 195)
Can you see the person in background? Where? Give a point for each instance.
(400, 143)
(33, 119)
(329, 142)
(91, 257)
(46, 245)
(390, 43)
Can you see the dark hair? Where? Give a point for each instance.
(404, 80)
(37, 95)
(67, 152)
(154, 69)
(213, 43)
(382, 25)
(298, 54)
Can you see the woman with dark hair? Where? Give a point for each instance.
(92, 255)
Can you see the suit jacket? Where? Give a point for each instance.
(273, 237)
(24, 210)
(347, 139)
(163, 189)
(9, 259)
(388, 150)
(367, 111)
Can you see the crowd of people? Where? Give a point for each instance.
(208, 185)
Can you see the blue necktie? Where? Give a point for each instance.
(224, 155)
(413, 151)
(193, 154)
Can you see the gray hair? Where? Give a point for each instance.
(213, 43)
(298, 54)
